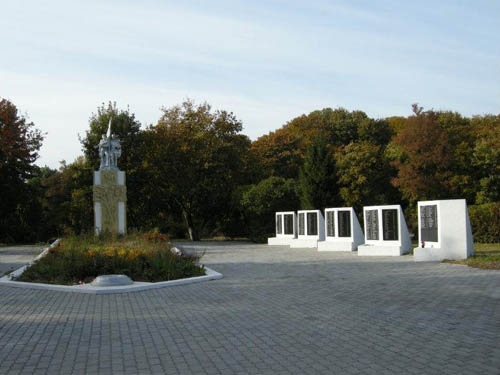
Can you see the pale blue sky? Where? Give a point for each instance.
(267, 61)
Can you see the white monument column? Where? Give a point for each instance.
(110, 191)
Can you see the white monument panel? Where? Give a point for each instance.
(386, 233)
(311, 229)
(286, 228)
(444, 231)
(342, 229)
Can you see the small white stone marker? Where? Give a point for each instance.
(112, 280)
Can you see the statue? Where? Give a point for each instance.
(110, 191)
(109, 150)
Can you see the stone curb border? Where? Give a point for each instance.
(88, 289)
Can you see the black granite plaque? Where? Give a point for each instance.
(301, 224)
(429, 223)
(390, 224)
(312, 224)
(288, 218)
(372, 225)
(330, 223)
(344, 220)
(279, 224)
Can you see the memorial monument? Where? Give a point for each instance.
(311, 229)
(343, 232)
(286, 228)
(444, 231)
(386, 233)
(110, 192)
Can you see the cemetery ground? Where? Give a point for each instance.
(276, 311)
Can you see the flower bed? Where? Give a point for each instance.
(142, 257)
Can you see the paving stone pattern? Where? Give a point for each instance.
(277, 311)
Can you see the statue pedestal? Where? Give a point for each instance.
(110, 201)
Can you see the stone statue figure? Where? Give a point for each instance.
(109, 150)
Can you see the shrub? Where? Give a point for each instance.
(142, 257)
(485, 222)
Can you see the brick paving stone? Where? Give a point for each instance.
(277, 311)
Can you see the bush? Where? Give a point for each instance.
(485, 222)
(142, 257)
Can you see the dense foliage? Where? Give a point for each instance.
(142, 257)
(19, 146)
(194, 174)
(485, 221)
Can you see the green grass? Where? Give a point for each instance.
(487, 256)
(141, 256)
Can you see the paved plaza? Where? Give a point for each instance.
(14, 257)
(277, 311)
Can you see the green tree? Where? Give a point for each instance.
(280, 153)
(461, 136)
(364, 175)
(19, 146)
(68, 198)
(261, 201)
(378, 132)
(318, 177)
(486, 158)
(195, 158)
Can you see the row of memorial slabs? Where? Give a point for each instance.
(444, 230)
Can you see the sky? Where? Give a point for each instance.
(265, 61)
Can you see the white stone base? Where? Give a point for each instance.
(296, 243)
(390, 251)
(279, 241)
(434, 254)
(336, 246)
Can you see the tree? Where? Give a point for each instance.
(278, 154)
(260, 202)
(281, 153)
(364, 175)
(318, 177)
(423, 158)
(195, 158)
(461, 139)
(486, 158)
(19, 146)
(378, 132)
(338, 126)
(67, 199)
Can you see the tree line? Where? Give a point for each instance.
(195, 174)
